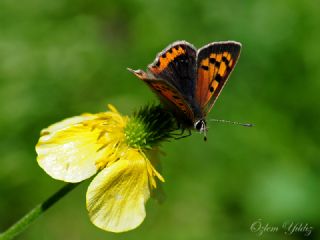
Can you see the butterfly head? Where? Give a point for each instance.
(201, 126)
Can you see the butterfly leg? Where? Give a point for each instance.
(183, 136)
(179, 127)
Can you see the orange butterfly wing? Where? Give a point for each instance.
(215, 62)
(176, 65)
(167, 93)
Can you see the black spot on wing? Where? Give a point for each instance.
(204, 67)
(225, 60)
(212, 60)
(218, 78)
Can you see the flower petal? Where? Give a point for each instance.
(69, 150)
(116, 196)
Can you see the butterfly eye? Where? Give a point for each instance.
(198, 125)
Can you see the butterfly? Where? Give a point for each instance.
(188, 81)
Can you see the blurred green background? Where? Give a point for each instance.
(62, 58)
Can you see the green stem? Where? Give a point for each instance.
(27, 219)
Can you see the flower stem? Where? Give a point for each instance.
(36, 212)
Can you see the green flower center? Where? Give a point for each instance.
(149, 126)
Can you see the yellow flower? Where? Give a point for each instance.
(114, 146)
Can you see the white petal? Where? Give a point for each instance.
(68, 150)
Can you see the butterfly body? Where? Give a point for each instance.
(188, 81)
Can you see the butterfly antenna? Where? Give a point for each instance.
(233, 122)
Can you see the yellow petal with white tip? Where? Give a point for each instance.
(117, 195)
(73, 149)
